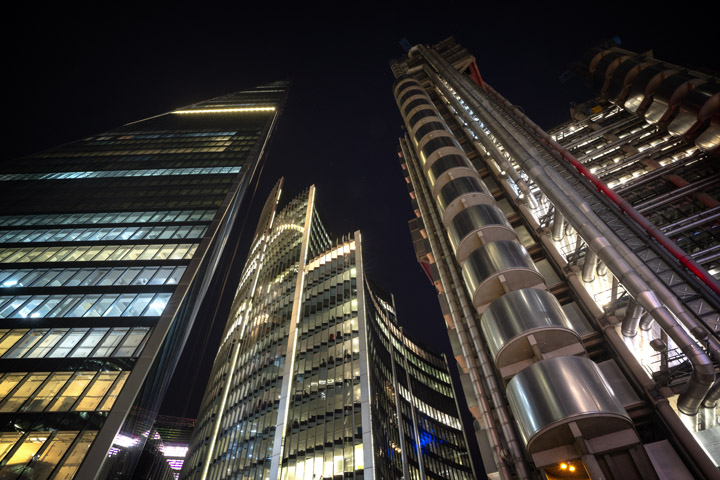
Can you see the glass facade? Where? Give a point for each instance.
(291, 390)
(421, 436)
(107, 248)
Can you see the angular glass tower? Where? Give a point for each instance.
(587, 339)
(110, 247)
(314, 377)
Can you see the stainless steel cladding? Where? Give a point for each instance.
(510, 321)
(550, 395)
(497, 267)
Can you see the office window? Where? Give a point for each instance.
(96, 253)
(89, 305)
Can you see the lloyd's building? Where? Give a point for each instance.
(110, 248)
(576, 270)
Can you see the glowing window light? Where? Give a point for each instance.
(226, 110)
(125, 441)
(175, 451)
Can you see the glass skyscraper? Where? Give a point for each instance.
(587, 339)
(314, 377)
(110, 245)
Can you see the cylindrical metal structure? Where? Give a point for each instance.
(588, 269)
(510, 320)
(631, 320)
(558, 226)
(496, 268)
(501, 433)
(550, 395)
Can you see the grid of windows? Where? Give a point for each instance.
(72, 342)
(324, 437)
(119, 173)
(153, 216)
(324, 420)
(82, 391)
(412, 390)
(244, 430)
(103, 234)
(87, 305)
(98, 253)
(91, 277)
(41, 451)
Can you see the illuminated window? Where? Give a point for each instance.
(123, 173)
(52, 454)
(28, 341)
(23, 392)
(10, 339)
(47, 392)
(27, 450)
(76, 456)
(89, 342)
(8, 441)
(72, 391)
(9, 381)
(96, 392)
(47, 343)
(114, 392)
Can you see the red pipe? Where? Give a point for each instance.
(651, 229)
(475, 74)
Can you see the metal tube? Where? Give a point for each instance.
(653, 175)
(588, 269)
(601, 268)
(680, 433)
(632, 318)
(496, 394)
(673, 195)
(646, 321)
(699, 219)
(619, 141)
(712, 397)
(578, 213)
(558, 226)
(653, 231)
(602, 131)
(484, 141)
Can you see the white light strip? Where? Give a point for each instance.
(226, 110)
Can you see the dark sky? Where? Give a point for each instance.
(76, 70)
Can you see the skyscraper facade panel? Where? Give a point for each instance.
(306, 383)
(572, 317)
(109, 245)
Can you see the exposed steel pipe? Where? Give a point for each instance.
(624, 206)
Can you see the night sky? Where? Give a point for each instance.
(77, 70)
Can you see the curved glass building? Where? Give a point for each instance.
(314, 377)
